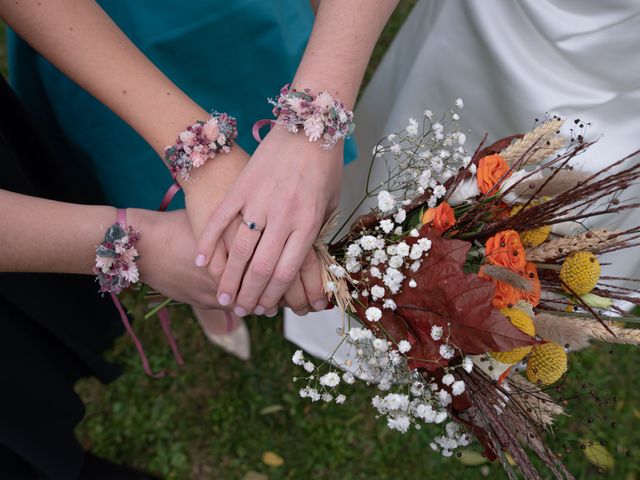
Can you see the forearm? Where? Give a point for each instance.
(79, 38)
(39, 235)
(341, 43)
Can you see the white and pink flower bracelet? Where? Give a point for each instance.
(319, 117)
(201, 142)
(116, 257)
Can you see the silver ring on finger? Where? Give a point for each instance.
(251, 225)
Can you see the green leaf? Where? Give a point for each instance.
(472, 458)
(596, 301)
(598, 455)
(271, 409)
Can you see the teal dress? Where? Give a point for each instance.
(226, 55)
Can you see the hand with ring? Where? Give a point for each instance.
(283, 195)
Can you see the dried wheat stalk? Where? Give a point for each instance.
(341, 293)
(505, 275)
(531, 399)
(577, 331)
(562, 246)
(562, 181)
(527, 147)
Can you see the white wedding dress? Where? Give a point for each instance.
(511, 61)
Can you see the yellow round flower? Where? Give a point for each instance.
(547, 363)
(523, 322)
(580, 272)
(534, 237)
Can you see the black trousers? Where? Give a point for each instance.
(53, 328)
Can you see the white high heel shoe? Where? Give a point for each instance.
(226, 330)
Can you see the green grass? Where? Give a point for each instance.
(216, 417)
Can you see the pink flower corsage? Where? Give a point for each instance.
(201, 142)
(116, 257)
(319, 117)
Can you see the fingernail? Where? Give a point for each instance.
(320, 305)
(239, 311)
(302, 313)
(200, 261)
(224, 299)
(272, 314)
(259, 310)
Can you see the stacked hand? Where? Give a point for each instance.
(288, 188)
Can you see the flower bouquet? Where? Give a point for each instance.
(469, 283)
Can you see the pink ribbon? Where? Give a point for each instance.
(163, 314)
(255, 131)
(171, 192)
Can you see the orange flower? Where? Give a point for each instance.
(505, 249)
(504, 296)
(531, 274)
(442, 217)
(492, 169)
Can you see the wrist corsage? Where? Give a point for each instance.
(116, 257)
(319, 117)
(201, 142)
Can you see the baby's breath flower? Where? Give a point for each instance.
(413, 283)
(416, 252)
(402, 249)
(340, 399)
(330, 379)
(309, 367)
(368, 242)
(396, 261)
(436, 332)
(298, 358)
(404, 346)
(457, 388)
(401, 216)
(375, 272)
(412, 127)
(353, 265)
(380, 256)
(386, 225)
(439, 191)
(354, 250)
(386, 201)
(444, 397)
(441, 416)
(337, 270)
(447, 352)
(467, 364)
(377, 292)
(373, 314)
(380, 344)
(459, 103)
(448, 379)
(389, 304)
(400, 423)
(348, 378)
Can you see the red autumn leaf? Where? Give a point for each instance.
(459, 303)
